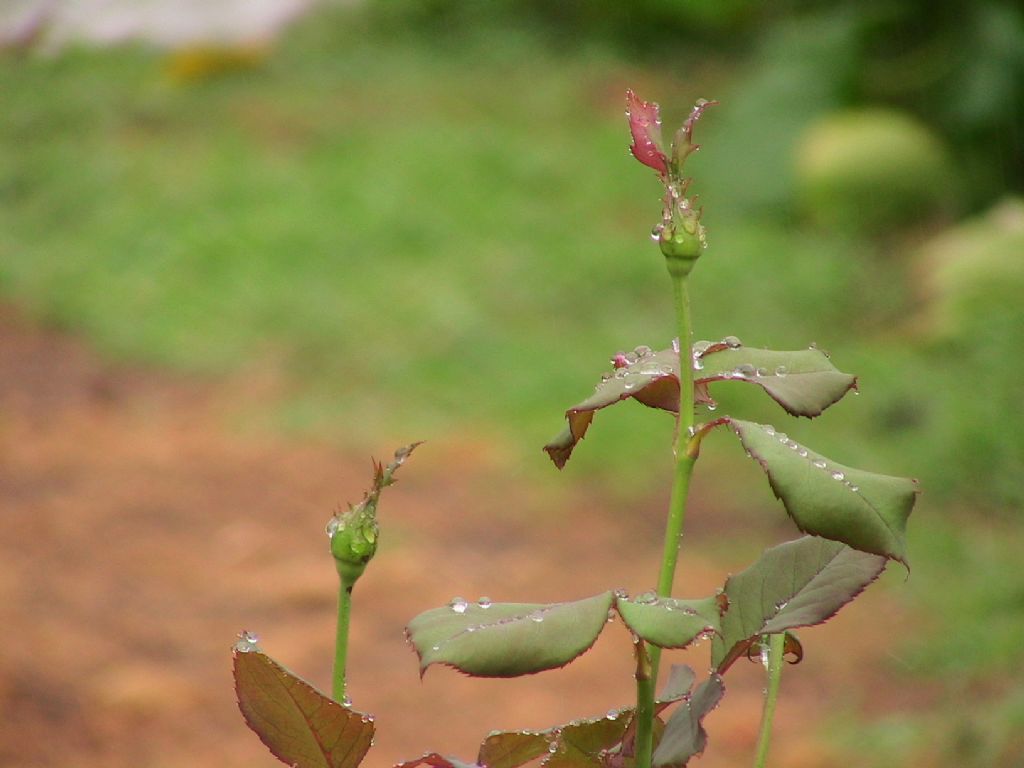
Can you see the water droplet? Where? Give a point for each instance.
(781, 604)
(484, 602)
(332, 527)
(612, 714)
(698, 364)
(665, 369)
(553, 747)
(458, 604)
(781, 371)
(745, 370)
(792, 445)
(711, 406)
(688, 611)
(621, 373)
(732, 342)
(764, 654)
(606, 376)
(537, 616)
(675, 345)
(472, 628)
(656, 231)
(762, 371)
(854, 488)
(819, 463)
(346, 702)
(838, 475)
(646, 598)
(782, 437)
(628, 384)
(769, 430)
(643, 351)
(700, 347)
(247, 642)
(611, 615)
(802, 452)
(435, 647)
(632, 357)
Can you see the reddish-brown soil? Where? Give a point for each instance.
(141, 532)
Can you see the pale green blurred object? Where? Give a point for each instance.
(872, 170)
(970, 270)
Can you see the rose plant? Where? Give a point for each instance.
(853, 522)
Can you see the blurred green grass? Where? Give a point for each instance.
(425, 239)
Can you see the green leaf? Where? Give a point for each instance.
(652, 378)
(435, 760)
(667, 622)
(680, 681)
(796, 584)
(684, 735)
(300, 725)
(511, 749)
(580, 743)
(865, 510)
(804, 382)
(508, 639)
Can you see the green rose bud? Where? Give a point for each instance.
(353, 540)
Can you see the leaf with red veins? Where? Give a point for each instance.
(645, 126)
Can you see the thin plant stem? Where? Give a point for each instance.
(776, 650)
(341, 640)
(676, 515)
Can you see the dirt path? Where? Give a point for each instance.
(140, 534)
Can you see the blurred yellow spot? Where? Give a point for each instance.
(204, 62)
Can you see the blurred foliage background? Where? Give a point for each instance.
(418, 218)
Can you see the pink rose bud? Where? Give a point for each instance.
(645, 125)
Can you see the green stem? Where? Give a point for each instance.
(776, 650)
(341, 640)
(676, 514)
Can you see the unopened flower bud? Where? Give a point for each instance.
(353, 540)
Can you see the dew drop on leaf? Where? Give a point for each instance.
(732, 342)
(781, 371)
(838, 476)
(458, 604)
(247, 642)
(484, 602)
(819, 463)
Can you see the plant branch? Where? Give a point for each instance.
(776, 651)
(677, 509)
(341, 640)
